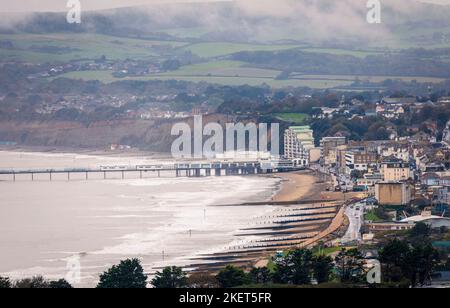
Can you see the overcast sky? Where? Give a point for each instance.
(60, 5)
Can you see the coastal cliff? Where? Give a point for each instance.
(149, 135)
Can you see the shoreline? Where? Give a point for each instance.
(297, 194)
(302, 195)
(295, 186)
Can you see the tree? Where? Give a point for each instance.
(393, 257)
(421, 263)
(202, 281)
(129, 274)
(37, 282)
(420, 230)
(260, 275)
(5, 283)
(323, 268)
(60, 284)
(232, 276)
(350, 265)
(170, 278)
(295, 268)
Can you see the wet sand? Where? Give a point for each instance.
(305, 212)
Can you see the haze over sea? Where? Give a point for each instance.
(163, 221)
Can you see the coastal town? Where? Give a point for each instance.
(345, 193)
(244, 145)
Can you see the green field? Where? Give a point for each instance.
(213, 50)
(36, 48)
(82, 46)
(107, 77)
(297, 118)
(341, 52)
(234, 73)
(222, 69)
(372, 216)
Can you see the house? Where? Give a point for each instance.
(431, 179)
(327, 144)
(369, 181)
(360, 160)
(446, 135)
(397, 151)
(328, 113)
(396, 170)
(392, 108)
(444, 100)
(423, 137)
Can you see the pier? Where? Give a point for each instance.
(156, 170)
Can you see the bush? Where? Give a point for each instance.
(231, 277)
(5, 283)
(202, 281)
(60, 284)
(129, 274)
(37, 282)
(170, 278)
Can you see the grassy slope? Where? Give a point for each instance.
(212, 50)
(88, 46)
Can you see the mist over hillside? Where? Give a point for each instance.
(320, 21)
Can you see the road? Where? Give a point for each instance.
(355, 214)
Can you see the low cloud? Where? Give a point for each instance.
(262, 20)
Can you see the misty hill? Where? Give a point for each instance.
(405, 23)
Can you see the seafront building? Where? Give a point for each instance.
(298, 141)
(305, 135)
(328, 144)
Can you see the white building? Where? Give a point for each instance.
(294, 149)
(446, 136)
(401, 153)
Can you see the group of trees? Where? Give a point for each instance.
(37, 282)
(411, 260)
(413, 264)
(405, 263)
(299, 267)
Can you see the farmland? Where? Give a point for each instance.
(212, 50)
(211, 61)
(40, 48)
(107, 77)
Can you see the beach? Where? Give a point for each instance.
(295, 186)
(189, 222)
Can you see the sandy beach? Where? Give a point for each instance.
(304, 211)
(295, 186)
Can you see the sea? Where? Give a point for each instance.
(48, 226)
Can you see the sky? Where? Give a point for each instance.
(60, 5)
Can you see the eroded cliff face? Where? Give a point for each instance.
(149, 135)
